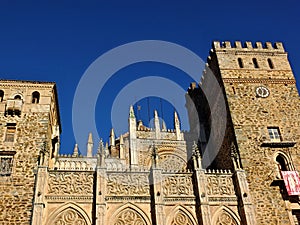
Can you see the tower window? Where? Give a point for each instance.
(1, 95)
(6, 162)
(254, 60)
(17, 97)
(35, 97)
(10, 132)
(241, 64)
(271, 65)
(274, 134)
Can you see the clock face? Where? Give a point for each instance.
(262, 92)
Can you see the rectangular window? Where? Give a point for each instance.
(6, 162)
(10, 132)
(274, 134)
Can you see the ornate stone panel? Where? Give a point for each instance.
(69, 216)
(181, 219)
(129, 217)
(220, 185)
(172, 163)
(225, 219)
(178, 185)
(126, 184)
(79, 183)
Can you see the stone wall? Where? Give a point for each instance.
(27, 144)
(252, 115)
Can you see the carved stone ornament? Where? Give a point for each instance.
(69, 217)
(225, 219)
(219, 185)
(70, 183)
(129, 217)
(172, 163)
(181, 219)
(178, 185)
(128, 184)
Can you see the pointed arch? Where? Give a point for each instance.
(67, 214)
(170, 158)
(181, 216)
(225, 216)
(283, 160)
(129, 214)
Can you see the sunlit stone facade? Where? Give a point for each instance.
(159, 175)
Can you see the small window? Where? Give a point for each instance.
(241, 64)
(6, 162)
(10, 132)
(274, 134)
(1, 95)
(35, 97)
(17, 97)
(271, 65)
(254, 60)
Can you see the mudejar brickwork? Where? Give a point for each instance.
(157, 175)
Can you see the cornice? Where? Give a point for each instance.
(257, 80)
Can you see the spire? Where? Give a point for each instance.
(156, 125)
(90, 145)
(122, 152)
(163, 126)
(177, 126)
(132, 138)
(106, 151)
(75, 151)
(101, 153)
(131, 112)
(112, 137)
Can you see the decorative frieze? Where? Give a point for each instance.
(220, 185)
(178, 185)
(62, 183)
(128, 184)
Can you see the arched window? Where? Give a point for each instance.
(254, 60)
(282, 163)
(241, 64)
(1, 95)
(17, 97)
(271, 65)
(35, 97)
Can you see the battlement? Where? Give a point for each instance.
(248, 46)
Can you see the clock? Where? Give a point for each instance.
(262, 92)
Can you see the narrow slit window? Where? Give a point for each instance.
(1, 95)
(271, 65)
(10, 133)
(241, 64)
(254, 60)
(35, 97)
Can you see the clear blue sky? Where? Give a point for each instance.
(58, 40)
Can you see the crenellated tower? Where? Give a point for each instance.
(263, 121)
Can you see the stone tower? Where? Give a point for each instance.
(263, 120)
(29, 138)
